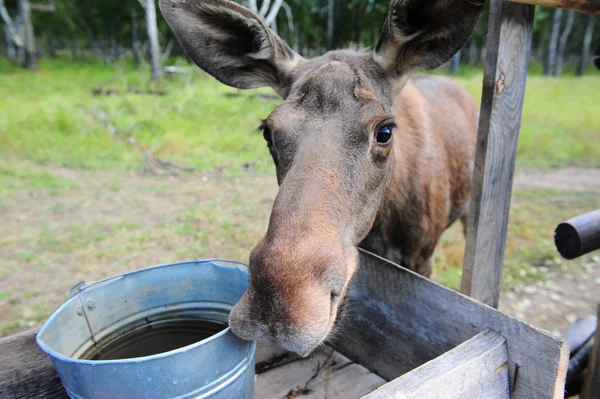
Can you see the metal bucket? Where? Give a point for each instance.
(131, 313)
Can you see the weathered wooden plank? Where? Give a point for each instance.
(25, 371)
(267, 352)
(507, 60)
(476, 369)
(270, 356)
(398, 320)
(592, 384)
(584, 6)
(327, 374)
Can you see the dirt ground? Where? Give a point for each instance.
(567, 293)
(566, 179)
(105, 223)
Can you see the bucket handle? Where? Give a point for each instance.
(82, 285)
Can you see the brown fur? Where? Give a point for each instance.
(339, 187)
(431, 186)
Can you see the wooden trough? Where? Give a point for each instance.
(441, 344)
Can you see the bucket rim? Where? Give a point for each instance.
(59, 356)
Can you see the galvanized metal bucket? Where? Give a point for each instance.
(220, 366)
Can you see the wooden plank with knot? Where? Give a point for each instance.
(509, 44)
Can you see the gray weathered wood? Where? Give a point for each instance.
(476, 369)
(509, 45)
(25, 371)
(332, 377)
(585, 6)
(592, 384)
(398, 320)
(579, 235)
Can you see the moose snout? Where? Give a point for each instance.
(298, 330)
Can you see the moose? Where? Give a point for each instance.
(365, 154)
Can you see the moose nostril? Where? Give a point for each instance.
(334, 295)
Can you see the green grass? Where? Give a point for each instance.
(560, 125)
(530, 251)
(18, 176)
(48, 119)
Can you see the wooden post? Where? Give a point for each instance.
(507, 59)
(592, 384)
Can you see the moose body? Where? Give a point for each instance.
(364, 154)
(430, 185)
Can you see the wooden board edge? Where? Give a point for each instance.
(382, 294)
(585, 7)
(463, 356)
(533, 328)
(563, 366)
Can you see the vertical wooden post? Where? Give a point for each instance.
(507, 60)
(592, 384)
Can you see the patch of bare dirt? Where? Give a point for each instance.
(109, 223)
(573, 290)
(566, 179)
(555, 303)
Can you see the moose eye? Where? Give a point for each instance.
(267, 136)
(266, 133)
(384, 134)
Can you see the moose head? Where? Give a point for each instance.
(335, 143)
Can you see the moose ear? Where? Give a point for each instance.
(231, 43)
(423, 34)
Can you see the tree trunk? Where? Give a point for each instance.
(300, 29)
(30, 56)
(562, 45)
(51, 46)
(73, 48)
(331, 42)
(541, 48)
(251, 4)
(153, 38)
(273, 26)
(135, 49)
(114, 51)
(83, 9)
(455, 63)
(11, 51)
(360, 6)
(471, 52)
(587, 42)
(550, 61)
